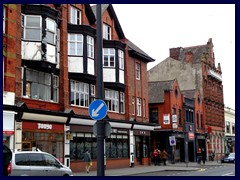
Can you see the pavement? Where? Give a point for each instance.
(178, 166)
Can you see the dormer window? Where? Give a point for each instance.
(75, 17)
(32, 27)
(106, 32)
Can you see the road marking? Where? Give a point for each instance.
(229, 174)
(201, 170)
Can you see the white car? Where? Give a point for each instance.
(35, 163)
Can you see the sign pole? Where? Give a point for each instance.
(100, 124)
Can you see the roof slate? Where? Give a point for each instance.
(156, 90)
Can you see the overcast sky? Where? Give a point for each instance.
(157, 27)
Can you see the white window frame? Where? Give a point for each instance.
(139, 106)
(122, 103)
(92, 94)
(107, 34)
(107, 55)
(121, 59)
(138, 68)
(112, 98)
(40, 80)
(74, 19)
(133, 105)
(51, 29)
(228, 127)
(80, 90)
(76, 44)
(90, 47)
(25, 27)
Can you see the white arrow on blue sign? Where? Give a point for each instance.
(97, 109)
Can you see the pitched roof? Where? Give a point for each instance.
(156, 90)
(189, 93)
(136, 51)
(198, 52)
(113, 15)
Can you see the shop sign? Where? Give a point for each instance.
(174, 125)
(190, 136)
(8, 132)
(44, 126)
(174, 118)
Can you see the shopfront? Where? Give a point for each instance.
(8, 128)
(47, 137)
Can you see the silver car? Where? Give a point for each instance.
(35, 163)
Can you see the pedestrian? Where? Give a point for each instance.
(199, 156)
(212, 155)
(203, 153)
(164, 157)
(87, 160)
(155, 156)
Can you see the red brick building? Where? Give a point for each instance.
(50, 69)
(194, 67)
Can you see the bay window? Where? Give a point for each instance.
(90, 47)
(121, 59)
(108, 57)
(32, 27)
(40, 85)
(79, 93)
(75, 44)
(112, 98)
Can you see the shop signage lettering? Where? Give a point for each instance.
(44, 126)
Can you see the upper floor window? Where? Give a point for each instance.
(108, 57)
(180, 116)
(79, 93)
(133, 105)
(227, 127)
(75, 44)
(51, 31)
(92, 94)
(144, 108)
(138, 71)
(153, 115)
(121, 59)
(106, 32)
(233, 128)
(139, 107)
(39, 85)
(4, 18)
(75, 17)
(112, 98)
(122, 102)
(32, 27)
(90, 47)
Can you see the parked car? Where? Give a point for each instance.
(228, 158)
(36, 163)
(7, 156)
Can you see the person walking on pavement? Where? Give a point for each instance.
(155, 156)
(164, 157)
(199, 156)
(203, 153)
(87, 160)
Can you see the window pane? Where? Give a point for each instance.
(33, 21)
(33, 34)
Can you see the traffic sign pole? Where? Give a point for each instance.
(100, 124)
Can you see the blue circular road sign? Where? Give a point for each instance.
(97, 109)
